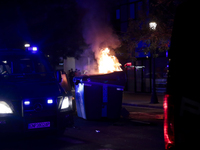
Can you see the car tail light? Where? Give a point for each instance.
(168, 106)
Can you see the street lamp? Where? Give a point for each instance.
(154, 98)
(152, 25)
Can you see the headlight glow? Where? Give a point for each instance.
(5, 108)
(65, 103)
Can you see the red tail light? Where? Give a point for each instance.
(168, 122)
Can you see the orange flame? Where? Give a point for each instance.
(108, 63)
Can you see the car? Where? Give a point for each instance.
(32, 99)
(182, 101)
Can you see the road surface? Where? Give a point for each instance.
(124, 134)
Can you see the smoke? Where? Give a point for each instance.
(97, 31)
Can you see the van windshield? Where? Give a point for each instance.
(23, 65)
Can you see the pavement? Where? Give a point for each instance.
(138, 106)
(142, 100)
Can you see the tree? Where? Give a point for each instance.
(141, 38)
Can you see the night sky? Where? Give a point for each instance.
(51, 25)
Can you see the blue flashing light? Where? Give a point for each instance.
(166, 53)
(27, 102)
(33, 49)
(50, 101)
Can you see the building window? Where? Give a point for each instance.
(140, 6)
(118, 14)
(124, 26)
(132, 11)
(140, 11)
(124, 13)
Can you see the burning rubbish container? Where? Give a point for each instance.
(99, 96)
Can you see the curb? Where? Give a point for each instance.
(141, 105)
(144, 116)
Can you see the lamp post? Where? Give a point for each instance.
(154, 98)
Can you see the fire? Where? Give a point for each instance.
(108, 63)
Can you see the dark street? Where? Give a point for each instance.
(108, 74)
(98, 135)
(142, 129)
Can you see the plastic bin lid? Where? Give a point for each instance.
(115, 78)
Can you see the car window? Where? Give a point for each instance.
(4, 67)
(24, 65)
(39, 67)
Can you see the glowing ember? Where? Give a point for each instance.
(108, 63)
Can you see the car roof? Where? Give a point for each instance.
(14, 52)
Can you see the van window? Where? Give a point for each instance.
(24, 65)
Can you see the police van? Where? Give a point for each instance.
(31, 98)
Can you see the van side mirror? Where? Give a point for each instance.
(58, 76)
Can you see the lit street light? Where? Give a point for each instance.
(154, 98)
(153, 25)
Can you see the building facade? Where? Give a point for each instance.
(139, 73)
